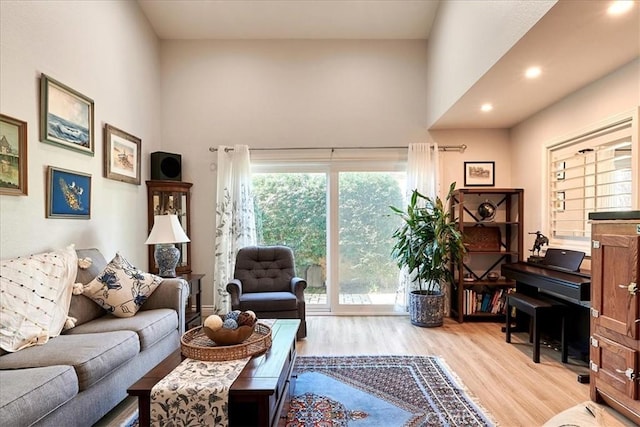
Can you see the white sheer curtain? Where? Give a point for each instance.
(423, 171)
(235, 220)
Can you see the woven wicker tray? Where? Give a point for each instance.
(196, 345)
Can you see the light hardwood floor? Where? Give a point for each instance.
(503, 378)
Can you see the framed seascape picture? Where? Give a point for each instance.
(66, 117)
(68, 194)
(121, 155)
(479, 174)
(13, 156)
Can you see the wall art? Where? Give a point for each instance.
(66, 117)
(13, 156)
(479, 174)
(68, 194)
(121, 155)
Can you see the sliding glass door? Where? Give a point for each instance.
(336, 217)
(367, 275)
(291, 210)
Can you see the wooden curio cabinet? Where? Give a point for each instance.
(170, 197)
(615, 311)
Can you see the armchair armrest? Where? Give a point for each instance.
(234, 287)
(298, 285)
(171, 293)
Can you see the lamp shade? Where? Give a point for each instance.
(166, 229)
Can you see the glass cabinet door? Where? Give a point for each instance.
(170, 198)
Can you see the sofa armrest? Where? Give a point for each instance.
(172, 293)
(234, 287)
(298, 285)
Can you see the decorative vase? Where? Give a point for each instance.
(167, 256)
(426, 310)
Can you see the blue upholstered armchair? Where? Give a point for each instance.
(265, 282)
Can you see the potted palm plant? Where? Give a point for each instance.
(426, 243)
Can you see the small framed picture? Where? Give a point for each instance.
(13, 156)
(560, 171)
(479, 174)
(560, 201)
(68, 194)
(66, 117)
(121, 155)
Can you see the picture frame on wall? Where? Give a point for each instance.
(66, 117)
(479, 174)
(68, 194)
(560, 172)
(13, 156)
(121, 155)
(560, 201)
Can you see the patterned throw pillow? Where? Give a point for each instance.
(35, 294)
(121, 288)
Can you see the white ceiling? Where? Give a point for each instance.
(287, 19)
(574, 43)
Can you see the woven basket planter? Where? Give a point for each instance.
(426, 310)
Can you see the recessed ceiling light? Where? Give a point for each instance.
(619, 7)
(533, 72)
(486, 107)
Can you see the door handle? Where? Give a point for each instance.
(631, 287)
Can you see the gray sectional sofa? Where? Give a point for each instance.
(78, 377)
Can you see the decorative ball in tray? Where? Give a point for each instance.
(232, 336)
(230, 329)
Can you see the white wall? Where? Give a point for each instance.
(283, 94)
(107, 51)
(466, 41)
(483, 145)
(611, 95)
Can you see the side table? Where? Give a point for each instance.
(193, 310)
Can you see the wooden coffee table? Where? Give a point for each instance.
(256, 396)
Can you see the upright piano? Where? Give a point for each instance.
(558, 276)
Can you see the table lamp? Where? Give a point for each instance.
(165, 233)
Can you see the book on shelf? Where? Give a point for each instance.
(486, 300)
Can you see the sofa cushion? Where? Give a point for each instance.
(268, 301)
(150, 325)
(82, 308)
(121, 288)
(30, 394)
(35, 293)
(93, 356)
(97, 263)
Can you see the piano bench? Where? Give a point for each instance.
(535, 307)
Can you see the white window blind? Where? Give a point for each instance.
(592, 172)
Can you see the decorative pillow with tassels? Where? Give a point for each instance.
(121, 288)
(35, 294)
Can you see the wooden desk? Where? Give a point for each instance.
(256, 397)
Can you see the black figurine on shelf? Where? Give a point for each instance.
(540, 241)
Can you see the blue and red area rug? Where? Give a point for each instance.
(378, 391)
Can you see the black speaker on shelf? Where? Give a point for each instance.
(166, 166)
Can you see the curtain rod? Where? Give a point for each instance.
(459, 148)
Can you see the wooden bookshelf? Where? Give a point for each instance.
(490, 243)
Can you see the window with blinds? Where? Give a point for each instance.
(593, 172)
